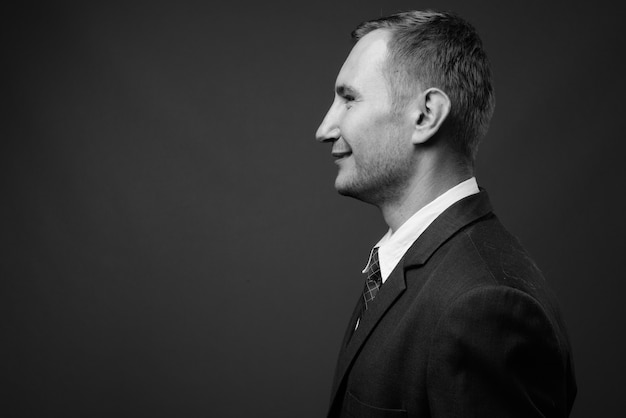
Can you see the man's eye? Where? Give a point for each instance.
(349, 98)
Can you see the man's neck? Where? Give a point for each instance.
(421, 192)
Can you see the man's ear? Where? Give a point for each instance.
(432, 108)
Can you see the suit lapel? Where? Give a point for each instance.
(352, 323)
(394, 286)
(457, 216)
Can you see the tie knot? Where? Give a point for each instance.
(374, 279)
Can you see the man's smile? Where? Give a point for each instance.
(341, 154)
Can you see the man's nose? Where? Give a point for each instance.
(329, 128)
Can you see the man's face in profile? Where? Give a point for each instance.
(371, 142)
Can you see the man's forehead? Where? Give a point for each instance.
(366, 56)
(375, 42)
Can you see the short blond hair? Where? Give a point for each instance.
(440, 49)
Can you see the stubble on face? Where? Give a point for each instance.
(380, 173)
(374, 145)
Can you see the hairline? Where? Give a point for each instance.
(393, 70)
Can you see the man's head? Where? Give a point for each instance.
(411, 80)
(435, 49)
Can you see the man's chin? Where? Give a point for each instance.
(342, 186)
(364, 191)
(347, 188)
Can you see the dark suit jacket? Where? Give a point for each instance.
(464, 326)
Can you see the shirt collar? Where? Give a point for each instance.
(393, 246)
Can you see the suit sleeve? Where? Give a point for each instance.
(496, 353)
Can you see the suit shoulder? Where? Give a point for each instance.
(485, 254)
(503, 256)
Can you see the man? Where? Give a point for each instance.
(455, 319)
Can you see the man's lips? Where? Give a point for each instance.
(341, 154)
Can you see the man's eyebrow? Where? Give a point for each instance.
(344, 90)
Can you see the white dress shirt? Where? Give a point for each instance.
(393, 246)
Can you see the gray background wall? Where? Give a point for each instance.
(171, 243)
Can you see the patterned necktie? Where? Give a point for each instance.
(374, 279)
